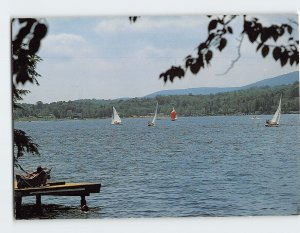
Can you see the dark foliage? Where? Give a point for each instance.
(25, 45)
(133, 19)
(172, 73)
(263, 37)
(24, 143)
(17, 95)
(24, 48)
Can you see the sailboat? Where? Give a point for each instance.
(116, 120)
(274, 122)
(173, 115)
(255, 118)
(152, 123)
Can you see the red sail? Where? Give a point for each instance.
(173, 115)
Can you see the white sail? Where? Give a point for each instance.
(155, 115)
(276, 117)
(115, 117)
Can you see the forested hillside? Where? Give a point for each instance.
(262, 100)
(285, 79)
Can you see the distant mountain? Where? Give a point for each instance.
(193, 91)
(284, 79)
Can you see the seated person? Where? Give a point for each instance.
(33, 179)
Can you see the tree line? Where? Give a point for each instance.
(263, 100)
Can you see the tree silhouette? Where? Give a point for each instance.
(133, 19)
(264, 39)
(24, 60)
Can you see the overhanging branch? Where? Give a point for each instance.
(237, 58)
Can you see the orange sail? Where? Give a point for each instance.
(173, 115)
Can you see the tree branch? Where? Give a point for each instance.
(236, 59)
(293, 21)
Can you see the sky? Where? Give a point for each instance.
(109, 57)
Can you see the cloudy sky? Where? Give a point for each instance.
(108, 57)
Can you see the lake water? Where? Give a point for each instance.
(195, 166)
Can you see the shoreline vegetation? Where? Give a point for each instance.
(253, 101)
(159, 117)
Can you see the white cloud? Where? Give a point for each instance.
(155, 53)
(117, 24)
(65, 45)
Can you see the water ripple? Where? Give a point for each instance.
(201, 166)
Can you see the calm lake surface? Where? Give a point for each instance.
(195, 166)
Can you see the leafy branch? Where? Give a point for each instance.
(25, 45)
(237, 58)
(261, 35)
(218, 30)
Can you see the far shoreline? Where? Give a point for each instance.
(36, 119)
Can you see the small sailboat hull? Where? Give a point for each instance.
(271, 125)
(117, 123)
(151, 124)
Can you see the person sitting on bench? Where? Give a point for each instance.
(33, 179)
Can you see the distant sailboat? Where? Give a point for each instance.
(152, 123)
(173, 115)
(255, 118)
(274, 122)
(116, 120)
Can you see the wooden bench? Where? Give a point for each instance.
(56, 189)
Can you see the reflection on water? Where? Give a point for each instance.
(51, 211)
(197, 166)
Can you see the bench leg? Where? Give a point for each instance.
(18, 201)
(18, 206)
(83, 205)
(82, 201)
(38, 200)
